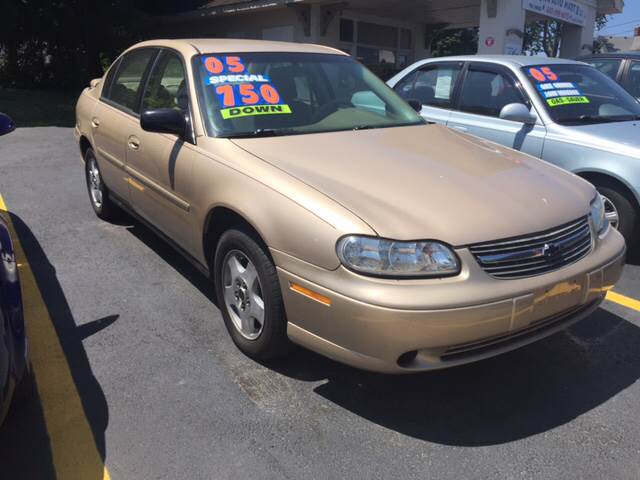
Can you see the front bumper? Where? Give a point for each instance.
(417, 325)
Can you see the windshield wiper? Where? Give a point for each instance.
(600, 119)
(260, 132)
(624, 118)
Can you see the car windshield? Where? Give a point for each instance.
(580, 94)
(269, 94)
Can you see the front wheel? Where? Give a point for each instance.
(249, 295)
(620, 212)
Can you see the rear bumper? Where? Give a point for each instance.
(445, 325)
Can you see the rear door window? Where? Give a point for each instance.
(126, 88)
(109, 78)
(632, 82)
(608, 66)
(432, 85)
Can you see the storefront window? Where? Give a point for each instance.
(346, 30)
(405, 38)
(380, 35)
(385, 49)
(373, 56)
(403, 60)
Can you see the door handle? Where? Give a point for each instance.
(460, 128)
(95, 122)
(134, 143)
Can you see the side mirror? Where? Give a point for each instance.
(518, 112)
(164, 120)
(6, 124)
(415, 104)
(95, 82)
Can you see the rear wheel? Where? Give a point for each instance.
(27, 386)
(101, 202)
(249, 296)
(21, 394)
(620, 211)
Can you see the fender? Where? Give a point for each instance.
(286, 204)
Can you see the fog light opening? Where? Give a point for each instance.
(406, 359)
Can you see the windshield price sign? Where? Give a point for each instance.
(241, 93)
(554, 91)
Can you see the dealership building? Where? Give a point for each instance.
(390, 34)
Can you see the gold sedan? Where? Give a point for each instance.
(329, 214)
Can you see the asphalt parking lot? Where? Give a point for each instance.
(138, 379)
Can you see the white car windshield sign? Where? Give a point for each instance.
(555, 91)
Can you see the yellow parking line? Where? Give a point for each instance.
(623, 300)
(73, 447)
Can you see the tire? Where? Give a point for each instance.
(239, 290)
(22, 392)
(27, 386)
(99, 194)
(4, 409)
(628, 224)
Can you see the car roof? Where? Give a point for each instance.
(192, 46)
(634, 55)
(514, 61)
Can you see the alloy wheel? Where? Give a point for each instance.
(243, 294)
(95, 183)
(611, 212)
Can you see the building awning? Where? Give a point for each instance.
(229, 7)
(459, 13)
(608, 7)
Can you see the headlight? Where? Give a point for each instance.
(600, 222)
(388, 258)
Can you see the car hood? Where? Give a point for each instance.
(619, 137)
(429, 182)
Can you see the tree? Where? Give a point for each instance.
(62, 44)
(601, 43)
(545, 36)
(458, 41)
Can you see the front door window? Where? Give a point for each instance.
(487, 92)
(167, 86)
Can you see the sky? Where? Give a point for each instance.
(622, 25)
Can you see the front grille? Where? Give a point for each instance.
(537, 253)
(473, 349)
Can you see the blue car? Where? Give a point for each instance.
(14, 354)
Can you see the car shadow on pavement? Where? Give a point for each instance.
(502, 399)
(173, 258)
(25, 450)
(522, 393)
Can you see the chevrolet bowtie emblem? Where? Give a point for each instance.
(550, 250)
